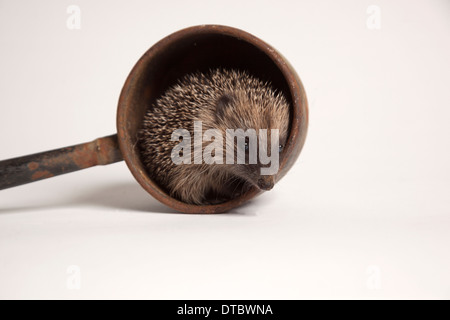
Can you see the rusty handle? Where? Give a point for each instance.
(22, 170)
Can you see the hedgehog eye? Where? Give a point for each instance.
(246, 145)
(280, 148)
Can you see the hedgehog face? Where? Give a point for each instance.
(253, 171)
(244, 113)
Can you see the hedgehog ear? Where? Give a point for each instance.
(224, 102)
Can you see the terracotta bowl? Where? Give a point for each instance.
(201, 48)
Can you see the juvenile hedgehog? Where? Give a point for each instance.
(221, 99)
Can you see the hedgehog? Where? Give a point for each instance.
(221, 99)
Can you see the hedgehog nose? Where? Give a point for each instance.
(266, 183)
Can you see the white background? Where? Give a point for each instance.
(364, 213)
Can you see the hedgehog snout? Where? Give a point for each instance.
(266, 182)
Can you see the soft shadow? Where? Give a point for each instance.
(244, 209)
(124, 196)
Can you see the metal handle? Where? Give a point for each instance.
(38, 166)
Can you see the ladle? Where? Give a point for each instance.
(198, 48)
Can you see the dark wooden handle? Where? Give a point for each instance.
(22, 170)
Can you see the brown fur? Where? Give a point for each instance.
(221, 99)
